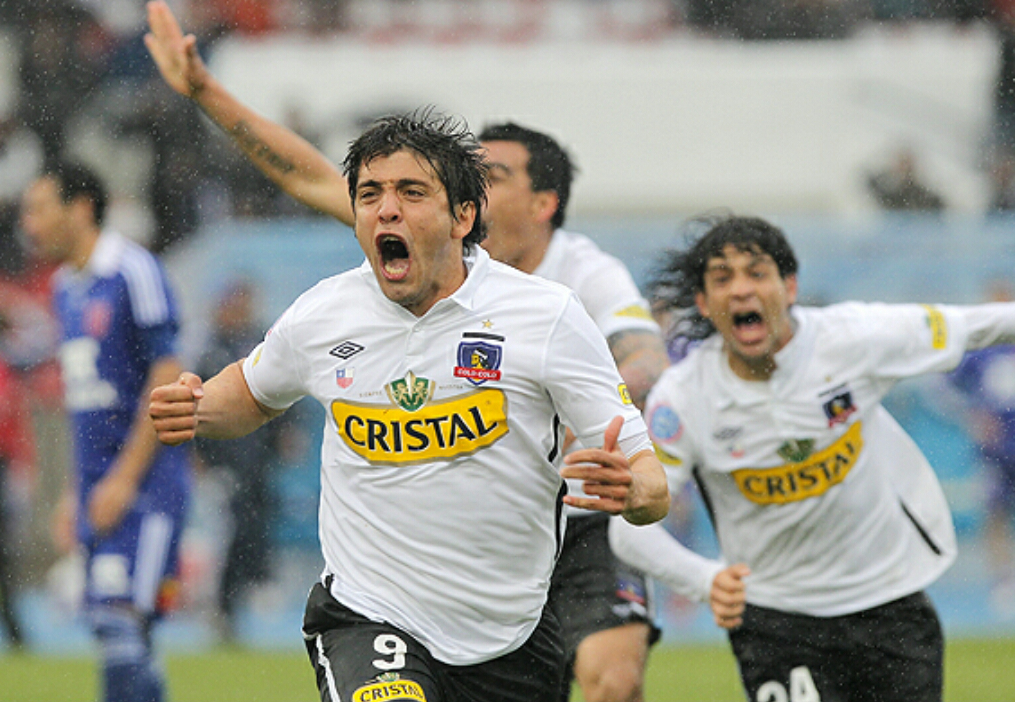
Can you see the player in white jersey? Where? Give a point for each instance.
(809, 481)
(605, 611)
(447, 379)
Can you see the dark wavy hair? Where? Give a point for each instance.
(447, 145)
(550, 166)
(75, 180)
(681, 274)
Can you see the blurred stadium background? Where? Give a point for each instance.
(798, 110)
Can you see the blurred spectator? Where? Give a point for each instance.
(28, 345)
(245, 464)
(177, 136)
(1004, 83)
(777, 19)
(987, 380)
(899, 186)
(1002, 182)
(251, 193)
(17, 456)
(63, 50)
(20, 162)
(247, 16)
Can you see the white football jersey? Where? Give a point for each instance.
(601, 281)
(809, 480)
(439, 481)
(606, 289)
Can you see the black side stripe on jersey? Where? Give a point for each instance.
(919, 527)
(555, 449)
(559, 520)
(696, 474)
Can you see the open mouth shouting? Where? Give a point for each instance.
(748, 327)
(393, 254)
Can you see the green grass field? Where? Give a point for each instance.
(975, 671)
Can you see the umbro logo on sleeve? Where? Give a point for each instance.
(346, 350)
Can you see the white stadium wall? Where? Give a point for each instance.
(680, 125)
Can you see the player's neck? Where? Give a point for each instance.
(530, 259)
(758, 369)
(84, 246)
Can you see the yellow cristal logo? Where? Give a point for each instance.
(396, 690)
(390, 434)
(812, 477)
(938, 328)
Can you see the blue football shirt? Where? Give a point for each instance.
(118, 317)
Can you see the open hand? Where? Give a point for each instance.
(605, 471)
(174, 54)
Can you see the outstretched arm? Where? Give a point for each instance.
(635, 488)
(654, 551)
(290, 161)
(222, 408)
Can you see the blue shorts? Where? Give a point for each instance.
(134, 563)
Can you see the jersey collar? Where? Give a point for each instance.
(553, 259)
(106, 254)
(103, 261)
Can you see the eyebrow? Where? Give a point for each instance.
(399, 184)
(721, 262)
(494, 166)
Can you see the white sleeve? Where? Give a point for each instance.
(652, 550)
(902, 341)
(987, 325)
(583, 381)
(272, 369)
(668, 431)
(614, 302)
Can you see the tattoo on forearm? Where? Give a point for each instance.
(253, 145)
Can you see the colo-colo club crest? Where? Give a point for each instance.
(478, 362)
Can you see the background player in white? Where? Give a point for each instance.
(809, 481)
(441, 496)
(606, 614)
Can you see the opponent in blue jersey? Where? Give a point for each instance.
(987, 379)
(119, 325)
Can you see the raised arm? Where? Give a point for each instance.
(222, 408)
(286, 158)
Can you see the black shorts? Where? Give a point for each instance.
(891, 653)
(593, 590)
(357, 659)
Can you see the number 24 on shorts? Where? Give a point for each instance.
(801, 688)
